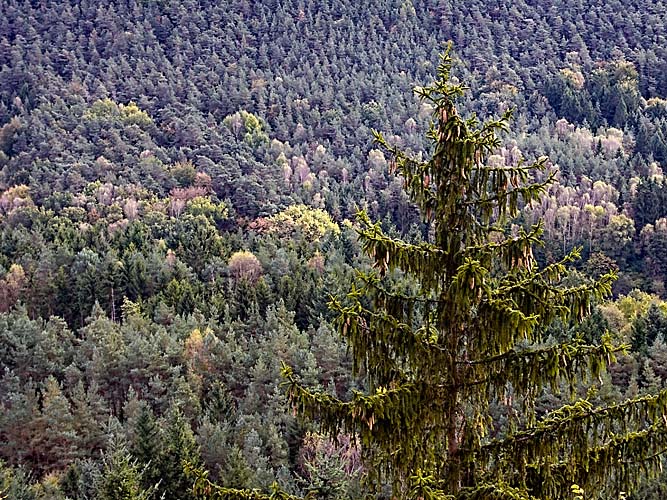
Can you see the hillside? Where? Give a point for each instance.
(177, 185)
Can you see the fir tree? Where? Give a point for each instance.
(180, 450)
(471, 336)
(121, 477)
(147, 446)
(54, 437)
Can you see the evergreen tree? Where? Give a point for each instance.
(121, 477)
(88, 410)
(180, 450)
(14, 484)
(146, 447)
(54, 435)
(646, 329)
(472, 336)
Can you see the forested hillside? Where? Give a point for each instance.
(178, 186)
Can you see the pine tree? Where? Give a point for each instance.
(471, 336)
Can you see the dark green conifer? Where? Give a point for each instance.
(180, 450)
(472, 336)
(147, 446)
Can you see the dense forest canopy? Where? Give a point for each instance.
(177, 181)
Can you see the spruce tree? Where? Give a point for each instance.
(121, 477)
(471, 337)
(147, 447)
(180, 451)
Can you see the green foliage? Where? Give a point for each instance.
(647, 328)
(108, 110)
(331, 470)
(184, 172)
(248, 126)
(178, 450)
(205, 489)
(121, 477)
(14, 484)
(55, 436)
(202, 205)
(146, 448)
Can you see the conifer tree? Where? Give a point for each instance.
(121, 477)
(180, 449)
(147, 446)
(472, 336)
(54, 436)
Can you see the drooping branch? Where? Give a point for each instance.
(494, 491)
(531, 369)
(388, 253)
(204, 489)
(579, 441)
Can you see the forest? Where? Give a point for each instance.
(179, 189)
